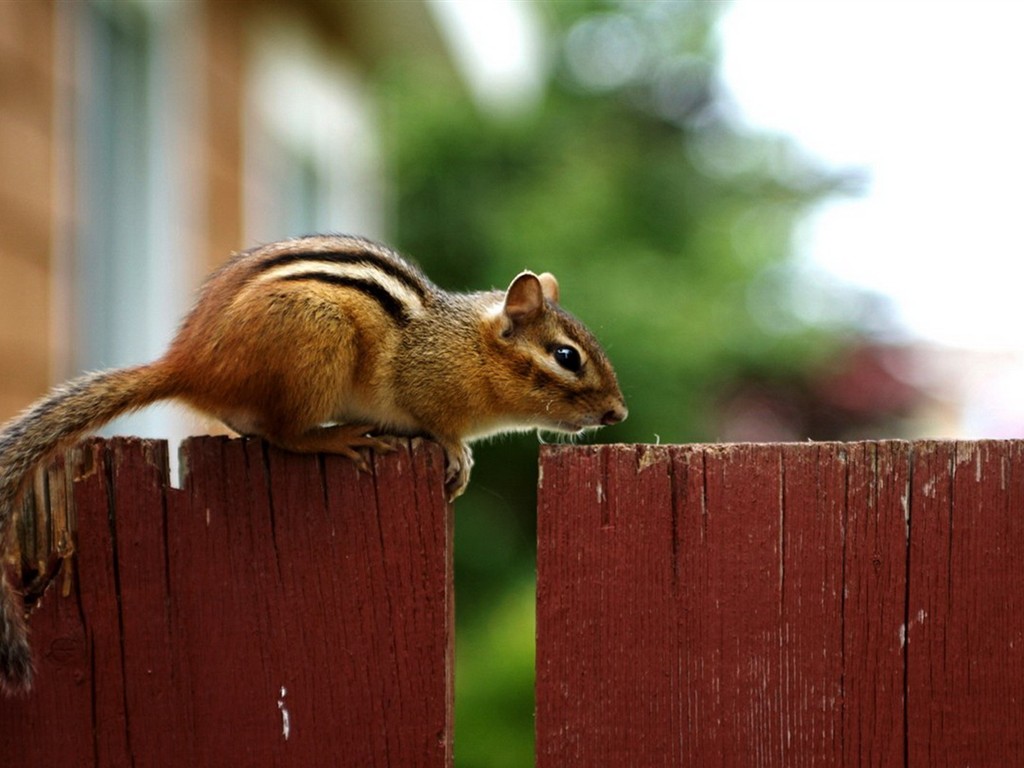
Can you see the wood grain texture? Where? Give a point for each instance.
(875, 603)
(770, 605)
(277, 610)
(965, 627)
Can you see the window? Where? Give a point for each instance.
(128, 249)
(311, 159)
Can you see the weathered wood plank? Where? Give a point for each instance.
(59, 722)
(276, 610)
(810, 662)
(638, 550)
(100, 616)
(855, 604)
(874, 611)
(739, 604)
(965, 633)
(154, 720)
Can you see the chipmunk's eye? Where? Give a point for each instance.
(568, 358)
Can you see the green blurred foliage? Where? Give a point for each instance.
(660, 218)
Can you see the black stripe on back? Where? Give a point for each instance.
(378, 293)
(407, 276)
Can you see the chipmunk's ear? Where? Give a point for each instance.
(524, 299)
(549, 285)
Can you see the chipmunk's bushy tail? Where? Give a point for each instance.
(64, 415)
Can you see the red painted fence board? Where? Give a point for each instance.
(770, 605)
(737, 605)
(966, 608)
(277, 610)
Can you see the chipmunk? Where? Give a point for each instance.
(328, 344)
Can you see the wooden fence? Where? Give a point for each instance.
(815, 604)
(276, 610)
(738, 605)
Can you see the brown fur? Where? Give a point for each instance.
(332, 330)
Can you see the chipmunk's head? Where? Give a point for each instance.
(560, 376)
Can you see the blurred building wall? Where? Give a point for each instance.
(142, 143)
(28, 207)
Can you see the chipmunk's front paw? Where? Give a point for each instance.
(459, 461)
(353, 441)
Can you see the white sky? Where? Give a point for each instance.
(924, 95)
(927, 97)
(499, 48)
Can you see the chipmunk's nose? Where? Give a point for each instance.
(615, 415)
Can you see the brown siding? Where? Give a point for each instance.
(30, 205)
(37, 94)
(26, 199)
(225, 57)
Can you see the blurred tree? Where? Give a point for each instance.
(660, 217)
